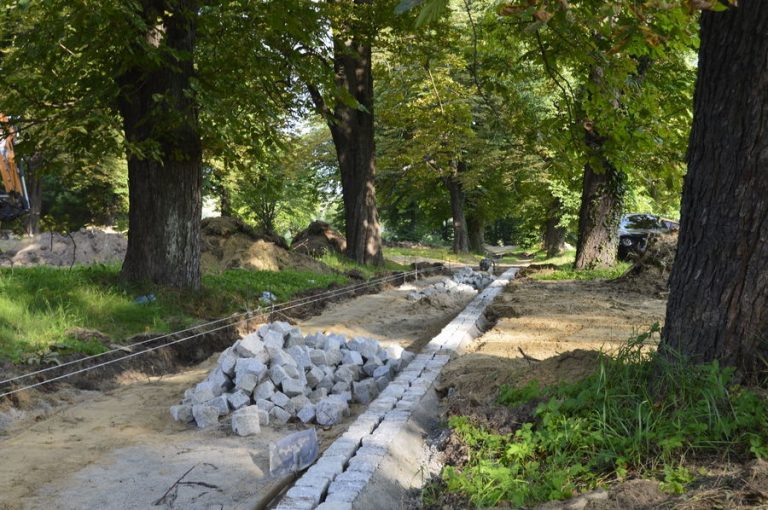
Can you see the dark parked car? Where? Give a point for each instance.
(636, 229)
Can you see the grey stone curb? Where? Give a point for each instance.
(341, 474)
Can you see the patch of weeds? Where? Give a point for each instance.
(638, 415)
(566, 272)
(343, 264)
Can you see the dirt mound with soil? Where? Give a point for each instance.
(650, 273)
(318, 239)
(91, 245)
(228, 243)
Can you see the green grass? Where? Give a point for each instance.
(343, 264)
(638, 415)
(40, 306)
(437, 253)
(566, 272)
(540, 257)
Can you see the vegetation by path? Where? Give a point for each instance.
(47, 310)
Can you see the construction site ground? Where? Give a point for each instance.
(120, 449)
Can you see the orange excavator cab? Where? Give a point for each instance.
(14, 200)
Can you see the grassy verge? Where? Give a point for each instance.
(444, 254)
(566, 272)
(637, 416)
(41, 308)
(343, 264)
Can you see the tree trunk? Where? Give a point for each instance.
(600, 212)
(476, 228)
(352, 131)
(32, 168)
(718, 303)
(554, 234)
(459, 221)
(165, 194)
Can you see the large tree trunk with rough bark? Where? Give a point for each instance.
(602, 199)
(554, 234)
(458, 218)
(157, 107)
(476, 228)
(352, 131)
(718, 303)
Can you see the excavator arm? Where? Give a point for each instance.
(14, 199)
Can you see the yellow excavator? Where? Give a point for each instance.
(14, 199)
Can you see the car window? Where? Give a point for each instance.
(642, 221)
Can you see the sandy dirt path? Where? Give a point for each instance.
(120, 450)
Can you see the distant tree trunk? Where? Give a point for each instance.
(718, 303)
(165, 204)
(456, 191)
(554, 234)
(32, 169)
(352, 132)
(602, 200)
(476, 228)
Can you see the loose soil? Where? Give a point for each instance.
(119, 448)
(554, 332)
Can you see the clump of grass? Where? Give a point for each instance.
(638, 415)
(40, 307)
(436, 253)
(344, 264)
(566, 272)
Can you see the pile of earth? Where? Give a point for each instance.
(318, 239)
(86, 246)
(650, 272)
(228, 243)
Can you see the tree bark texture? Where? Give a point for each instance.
(554, 234)
(600, 212)
(157, 106)
(476, 228)
(352, 131)
(718, 303)
(459, 221)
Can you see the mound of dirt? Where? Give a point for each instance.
(86, 246)
(650, 273)
(228, 243)
(318, 239)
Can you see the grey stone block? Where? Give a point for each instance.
(382, 371)
(334, 342)
(315, 340)
(364, 391)
(205, 415)
(306, 492)
(265, 405)
(221, 404)
(314, 376)
(227, 360)
(334, 505)
(204, 392)
(246, 421)
(279, 415)
(292, 387)
(280, 398)
(341, 387)
(273, 339)
(300, 354)
(251, 346)
(407, 357)
(295, 504)
(326, 384)
(182, 413)
(277, 374)
(263, 417)
(278, 357)
(294, 372)
(349, 357)
(222, 383)
(318, 394)
(300, 401)
(294, 337)
(307, 413)
(250, 366)
(394, 351)
(347, 373)
(246, 382)
(317, 356)
(334, 356)
(281, 327)
(330, 411)
(382, 382)
(265, 389)
(368, 347)
(238, 399)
